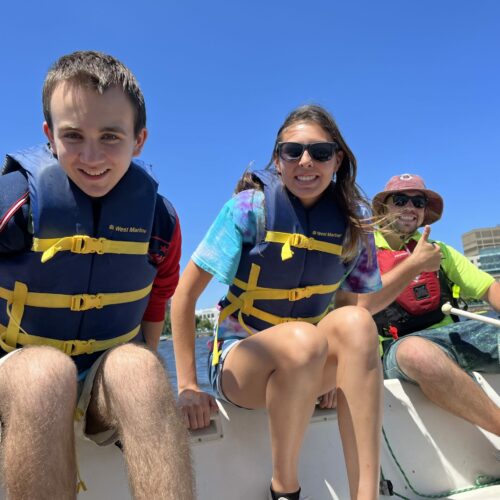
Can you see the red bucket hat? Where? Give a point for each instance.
(410, 182)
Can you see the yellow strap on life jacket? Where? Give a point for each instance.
(13, 334)
(85, 244)
(455, 291)
(230, 309)
(300, 241)
(15, 311)
(251, 291)
(69, 347)
(80, 302)
(292, 294)
(268, 317)
(216, 352)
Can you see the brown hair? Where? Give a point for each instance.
(346, 192)
(98, 71)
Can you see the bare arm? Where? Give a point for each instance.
(191, 285)
(195, 404)
(426, 257)
(493, 296)
(152, 331)
(343, 298)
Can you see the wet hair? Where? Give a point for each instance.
(99, 72)
(346, 192)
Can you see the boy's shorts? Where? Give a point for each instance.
(215, 372)
(85, 384)
(473, 345)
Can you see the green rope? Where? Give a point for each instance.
(480, 482)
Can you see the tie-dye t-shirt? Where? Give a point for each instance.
(242, 221)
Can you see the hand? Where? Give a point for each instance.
(427, 255)
(196, 407)
(328, 400)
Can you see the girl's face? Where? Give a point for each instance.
(307, 178)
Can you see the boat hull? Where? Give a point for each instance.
(437, 452)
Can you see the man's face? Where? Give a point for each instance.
(93, 136)
(407, 216)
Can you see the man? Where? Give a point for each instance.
(430, 349)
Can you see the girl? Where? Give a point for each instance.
(290, 240)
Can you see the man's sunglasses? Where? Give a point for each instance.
(401, 200)
(318, 151)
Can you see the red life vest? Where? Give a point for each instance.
(423, 293)
(419, 305)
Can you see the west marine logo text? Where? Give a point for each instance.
(121, 229)
(326, 235)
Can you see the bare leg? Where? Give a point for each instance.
(37, 404)
(279, 369)
(132, 393)
(355, 364)
(446, 384)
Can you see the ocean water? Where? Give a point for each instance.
(166, 351)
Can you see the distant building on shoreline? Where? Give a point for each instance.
(211, 313)
(482, 248)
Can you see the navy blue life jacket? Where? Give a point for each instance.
(84, 285)
(294, 272)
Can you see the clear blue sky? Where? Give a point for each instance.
(413, 85)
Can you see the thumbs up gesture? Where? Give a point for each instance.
(427, 255)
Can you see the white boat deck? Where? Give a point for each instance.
(438, 453)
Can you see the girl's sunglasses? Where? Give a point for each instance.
(318, 151)
(418, 201)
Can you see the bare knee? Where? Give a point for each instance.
(421, 359)
(133, 367)
(305, 345)
(352, 328)
(40, 378)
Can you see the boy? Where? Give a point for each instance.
(89, 254)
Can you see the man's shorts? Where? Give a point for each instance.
(473, 345)
(85, 384)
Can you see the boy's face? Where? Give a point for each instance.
(93, 136)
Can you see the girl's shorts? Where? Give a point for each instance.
(215, 372)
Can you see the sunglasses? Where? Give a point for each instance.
(401, 200)
(318, 151)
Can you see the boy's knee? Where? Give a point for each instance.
(134, 363)
(41, 377)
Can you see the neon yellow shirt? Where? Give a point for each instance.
(473, 282)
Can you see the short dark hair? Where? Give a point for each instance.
(98, 71)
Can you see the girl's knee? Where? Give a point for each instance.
(353, 328)
(305, 345)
